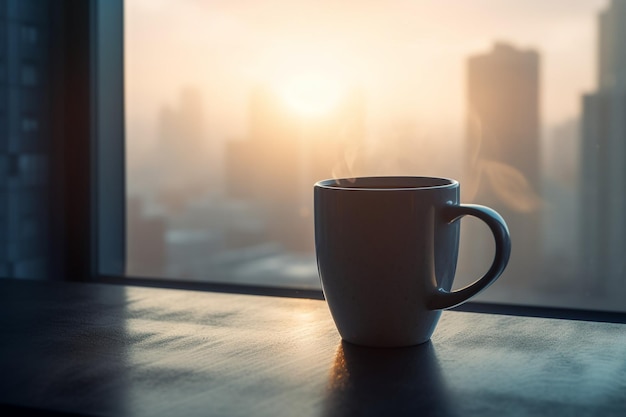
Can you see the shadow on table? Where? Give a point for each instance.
(64, 349)
(380, 381)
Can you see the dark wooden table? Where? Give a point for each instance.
(95, 349)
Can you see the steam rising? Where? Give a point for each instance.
(511, 187)
(410, 152)
(346, 167)
(503, 181)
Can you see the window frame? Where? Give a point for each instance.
(94, 210)
(87, 161)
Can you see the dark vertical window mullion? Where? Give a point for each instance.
(87, 166)
(76, 159)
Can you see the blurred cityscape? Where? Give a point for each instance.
(26, 125)
(239, 209)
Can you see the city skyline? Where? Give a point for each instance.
(530, 152)
(419, 78)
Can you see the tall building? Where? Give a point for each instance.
(182, 166)
(503, 161)
(26, 30)
(603, 161)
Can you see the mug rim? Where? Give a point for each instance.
(335, 183)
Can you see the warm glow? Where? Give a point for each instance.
(311, 94)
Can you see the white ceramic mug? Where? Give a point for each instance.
(387, 250)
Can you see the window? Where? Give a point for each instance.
(521, 101)
(61, 141)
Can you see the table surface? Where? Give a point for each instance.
(97, 349)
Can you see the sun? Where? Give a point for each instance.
(311, 94)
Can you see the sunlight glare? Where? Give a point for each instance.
(311, 94)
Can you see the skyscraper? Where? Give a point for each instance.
(502, 148)
(26, 29)
(603, 161)
(183, 167)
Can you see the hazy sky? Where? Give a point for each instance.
(408, 56)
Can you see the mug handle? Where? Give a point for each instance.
(442, 299)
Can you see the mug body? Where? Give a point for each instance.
(382, 248)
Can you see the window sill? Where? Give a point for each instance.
(124, 350)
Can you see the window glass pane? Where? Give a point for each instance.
(25, 138)
(235, 108)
